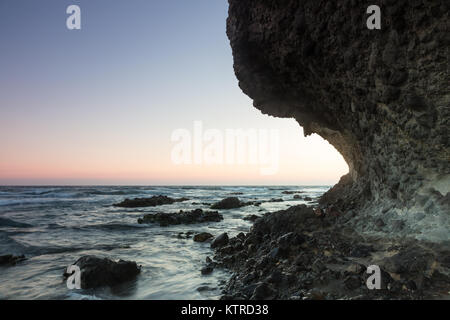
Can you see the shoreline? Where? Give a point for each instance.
(263, 245)
(296, 255)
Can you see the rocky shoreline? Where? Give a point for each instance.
(298, 254)
(301, 253)
(313, 252)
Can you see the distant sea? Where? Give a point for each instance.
(54, 226)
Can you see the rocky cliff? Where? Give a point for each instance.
(380, 97)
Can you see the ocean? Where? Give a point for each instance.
(54, 226)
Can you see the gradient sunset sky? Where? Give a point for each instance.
(99, 105)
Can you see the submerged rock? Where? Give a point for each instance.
(291, 192)
(207, 269)
(202, 237)
(204, 288)
(11, 260)
(148, 202)
(252, 217)
(182, 217)
(99, 272)
(275, 200)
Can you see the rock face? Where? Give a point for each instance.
(380, 97)
(296, 254)
(100, 272)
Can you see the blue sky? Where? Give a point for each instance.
(87, 106)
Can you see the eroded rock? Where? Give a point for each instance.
(379, 97)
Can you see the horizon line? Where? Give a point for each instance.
(169, 185)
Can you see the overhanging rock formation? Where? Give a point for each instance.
(380, 97)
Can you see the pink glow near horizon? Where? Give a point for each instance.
(35, 159)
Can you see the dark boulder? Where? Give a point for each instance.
(207, 270)
(252, 217)
(229, 203)
(276, 200)
(220, 241)
(202, 237)
(291, 192)
(100, 272)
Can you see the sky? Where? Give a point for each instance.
(100, 105)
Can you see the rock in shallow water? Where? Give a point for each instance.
(182, 217)
(229, 203)
(99, 272)
(148, 202)
(202, 237)
(252, 217)
(207, 270)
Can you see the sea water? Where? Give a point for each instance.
(54, 226)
